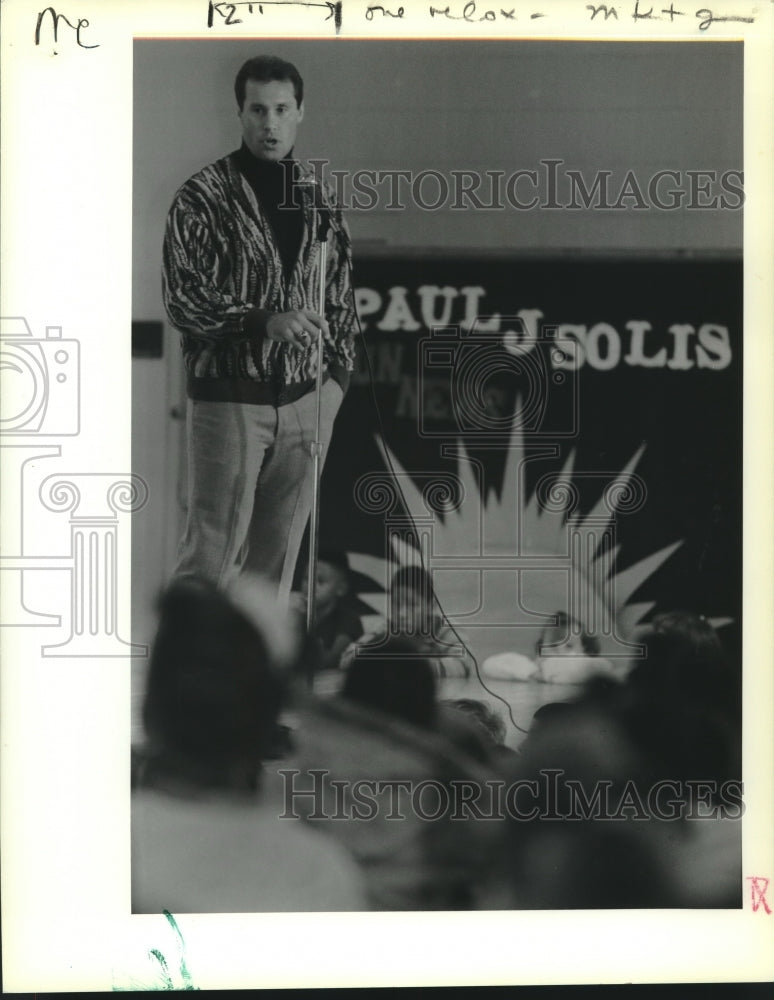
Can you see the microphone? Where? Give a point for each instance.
(325, 213)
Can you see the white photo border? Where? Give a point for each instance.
(67, 925)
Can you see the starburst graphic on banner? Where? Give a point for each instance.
(503, 562)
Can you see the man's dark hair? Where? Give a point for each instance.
(264, 69)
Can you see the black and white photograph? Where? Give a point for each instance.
(424, 581)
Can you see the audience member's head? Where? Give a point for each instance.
(412, 600)
(215, 681)
(564, 849)
(568, 637)
(683, 704)
(682, 654)
(475, 729)
(483, 715)
(393, 679)
(333, 580)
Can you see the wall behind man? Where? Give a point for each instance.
(468, 105)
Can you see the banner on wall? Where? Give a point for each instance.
(553, 434)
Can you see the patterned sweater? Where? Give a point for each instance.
(221, 261)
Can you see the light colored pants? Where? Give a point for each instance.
(250, 486)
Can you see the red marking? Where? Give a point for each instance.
(758, 887)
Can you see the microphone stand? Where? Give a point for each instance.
(323, 223)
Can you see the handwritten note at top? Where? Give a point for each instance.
(472, 12)
(53, 21)
(426, 15)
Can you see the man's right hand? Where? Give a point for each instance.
(298, 327)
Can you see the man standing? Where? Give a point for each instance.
(241, 283)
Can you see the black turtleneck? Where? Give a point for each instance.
(274, 185)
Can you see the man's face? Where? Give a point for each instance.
(270, 118)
